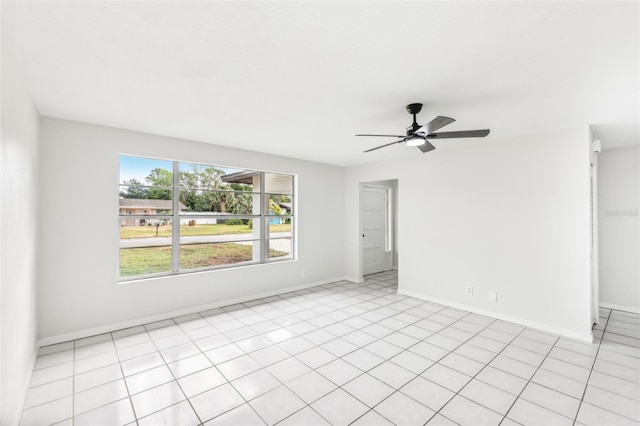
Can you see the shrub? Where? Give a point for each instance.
(234, 222)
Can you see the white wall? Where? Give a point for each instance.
(79, 290)
(18, 228)
(505, 216)
(619, 226)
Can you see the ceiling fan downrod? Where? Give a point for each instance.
(413, 109)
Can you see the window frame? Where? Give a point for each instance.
(176, 217)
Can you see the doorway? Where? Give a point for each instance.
(377, 226)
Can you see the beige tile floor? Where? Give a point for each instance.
(340, 354)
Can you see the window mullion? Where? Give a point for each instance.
(175, 229)
(263, 219)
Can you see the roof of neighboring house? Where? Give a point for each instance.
(151, 204)
(245, 176)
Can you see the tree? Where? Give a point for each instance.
(202, 190)
(274, 207)
(134, 189)
(206, 192)
(160, 177)
(242, 200)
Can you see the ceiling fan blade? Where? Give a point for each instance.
(386, 136)
(438, 123)
(460, 134)
(382, 146)
(426, 147)
(435, 124)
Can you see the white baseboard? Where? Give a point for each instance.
(354, 280)
(617, 307)
(80, 334)
(585, 337)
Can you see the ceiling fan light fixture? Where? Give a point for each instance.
(415, 141)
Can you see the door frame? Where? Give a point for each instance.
(390, 196)
(595, 258)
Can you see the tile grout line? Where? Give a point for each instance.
(73, 386)
(529, 381)
(133, 408)
(477, 333)
(485, 366)
(172, 375)
(590, 373)
(214, 365)
(227, 381)
(308, 405)
(318, 345)
(379, 296)
(437, 361)
(341, 358)
(595, 358)
(146, 370)
(272, 344)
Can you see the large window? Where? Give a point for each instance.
(179, 217)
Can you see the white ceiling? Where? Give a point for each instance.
(300, 79)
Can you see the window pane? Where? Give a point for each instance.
(279, 248)
(241, 180)
(199, 176)
(210, 242)
(223, 202)
(206, 255)
(278, 184)
(145, 249)
(135, 171)
(279, 227)
(146, 206)
(280, 205)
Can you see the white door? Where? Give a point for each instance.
(373, 209)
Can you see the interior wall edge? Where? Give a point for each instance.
(19, 175)
(24, 389)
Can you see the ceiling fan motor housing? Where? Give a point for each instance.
(414, 109)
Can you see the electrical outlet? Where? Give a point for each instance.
(469, 291)
(493, 296)
(304, 272)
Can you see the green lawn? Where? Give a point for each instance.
(186, 230)
(151, 260)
